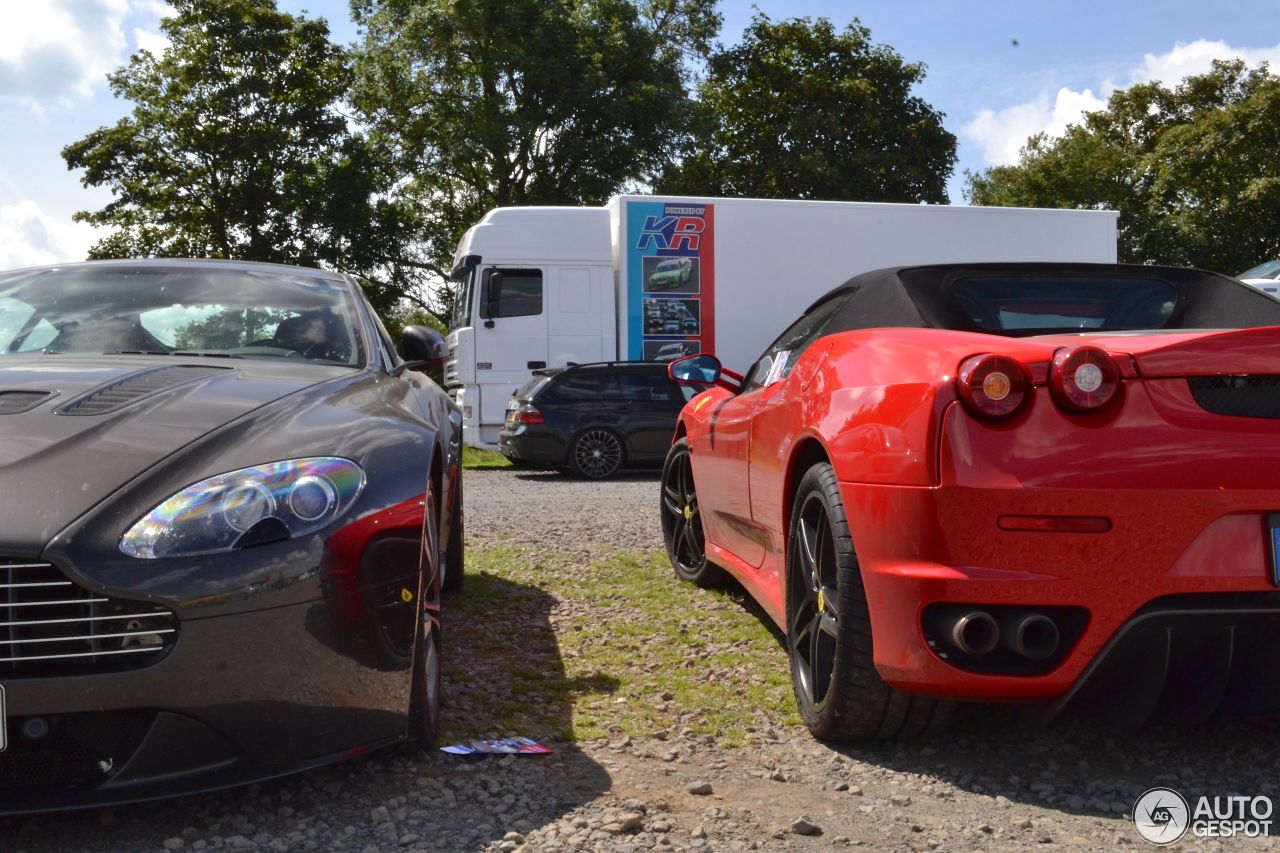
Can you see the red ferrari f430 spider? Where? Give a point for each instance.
(1053, 483)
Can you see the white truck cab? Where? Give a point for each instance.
(553, 302)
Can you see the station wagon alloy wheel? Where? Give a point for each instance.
(597, 454)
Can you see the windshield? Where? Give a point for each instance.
(1271, 269)
(189, 311)
(462, 278)
(667, 266)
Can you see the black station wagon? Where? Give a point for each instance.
(593, 419)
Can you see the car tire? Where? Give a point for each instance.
(453, 567)
(840, 694)
(682, 523)
(596, 454)
(426, 681)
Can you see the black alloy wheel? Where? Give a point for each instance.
(424, 696)
(833, 674)
(597, 454)
(814, 599)
(452, 567)
(682, 520)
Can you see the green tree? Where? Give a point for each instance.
(236, 148)
(799, 110)
(1193, 170)
(485, 103)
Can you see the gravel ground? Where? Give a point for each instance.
(993, 781)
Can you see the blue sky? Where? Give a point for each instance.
(1069, 56)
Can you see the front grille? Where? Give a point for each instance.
(50, 626)
(1242, 396)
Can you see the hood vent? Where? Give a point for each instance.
(131, 389)
(14, 402)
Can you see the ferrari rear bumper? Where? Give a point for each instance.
(1176, 589)
(1184, 658)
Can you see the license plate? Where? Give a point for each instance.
(1273, 544)
(4, 723)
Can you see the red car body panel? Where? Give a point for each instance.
(926, 484)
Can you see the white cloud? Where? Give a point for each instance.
(30, 237)
(1197, 57)
(150, 39)
(1000, 134)
(58, 52)
(147, 40)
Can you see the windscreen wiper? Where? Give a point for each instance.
(180, 353)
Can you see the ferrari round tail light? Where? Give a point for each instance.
(992, 386)
(1083, 378)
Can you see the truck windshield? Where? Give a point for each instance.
(462, 279)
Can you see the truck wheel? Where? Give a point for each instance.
(596, 454)
(840, 694)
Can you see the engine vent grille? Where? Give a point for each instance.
(50, 626)
(117, 395)
(14, 402)
(1241, 396)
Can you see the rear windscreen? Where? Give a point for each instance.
(1030, 304)
(526, 390)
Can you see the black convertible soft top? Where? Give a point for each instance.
(1019, 299)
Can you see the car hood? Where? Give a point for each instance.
(73, 429)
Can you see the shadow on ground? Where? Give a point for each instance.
(503, 676)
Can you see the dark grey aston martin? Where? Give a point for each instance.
(227, 510)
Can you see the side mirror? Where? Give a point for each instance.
(425, 346)
(490, 297)
(695, 370)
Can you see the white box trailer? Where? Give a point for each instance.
(652, 278)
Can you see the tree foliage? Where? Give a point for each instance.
(485, 103)
(799, 110)
(1194, 170)
(233, 148)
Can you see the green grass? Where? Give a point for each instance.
(578, 650)
(475, 459)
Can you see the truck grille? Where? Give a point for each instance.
(1241, 396)
(50, 626)
(451, 367)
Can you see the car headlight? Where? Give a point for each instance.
(251, 506)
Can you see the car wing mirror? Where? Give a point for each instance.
(424, 349)
(696, 370)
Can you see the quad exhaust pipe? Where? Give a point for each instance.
(1033, 636)
(974, 632)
